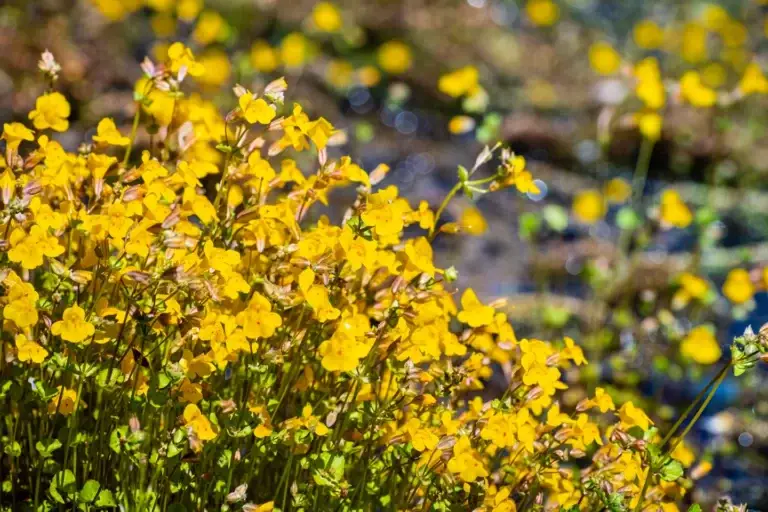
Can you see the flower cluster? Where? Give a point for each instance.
(181, 326)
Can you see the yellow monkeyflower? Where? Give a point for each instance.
(738, 287)
(64, 402)
(29, 351)
(14, 133)
(674, 211)
(473, 222)
(51, 111)
(394, 57)
(589, 206)
(632, 416)
(108, 133)
(73, 326)
(198, 423)
(256, 110)
(474, 313)
(181, 58)
(543, 13)
(701, 345)
(604, 59)
(326, 17)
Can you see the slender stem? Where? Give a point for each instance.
(443, 205)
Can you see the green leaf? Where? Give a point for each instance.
(627, 219)
(13, 449)
(556, 217)
(337, 467)
(694, 508)
(117, 438)
(63, 481)
(89, 492)
(47, 447)
(671, 471)
(529, 225)
(105, 499)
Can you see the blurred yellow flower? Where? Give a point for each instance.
(461, 124)
(701, 345)
(473, 222)
(211, 27)
(543, 13)
(617, 190)
(648, 35)
(738, 286)
(694, 43)
(326, 17)
(460, 82)
(264, 58)
(695, 92)
(394, 57)
(604, 59)
(217, 68)
(674, 211)
(294, 50)
(754, 80)
(649, 122)
(589, 206)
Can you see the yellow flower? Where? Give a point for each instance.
(461, 124)
(264, 58)
(648, 35)
(754, 80)
(64, 401)
(394, 57)
(691, 287)
(30, 249)
(190, 391)
(108, 133)
(674, 211)
(326, 17)
(421, 438)
(701, 345)
(632, 416)
(217, 68)
(738, 286)
(198, 423)
(617, 190)
(604, 59)
(695, 92)
(51, 111)
(474, 313)
(14, 133)
(256, 110)
(183, 60)
(28, 350)
(649, 87)
(465, 461)
(602, 401)
(294, 49)
(73, 326)
(188, 10)
(649, 123)
(463, 81)
(473, 222)
(589, 206)
(210, 28)
(543, 13)
(694, 43)
(258, 320)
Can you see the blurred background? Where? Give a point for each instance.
(643, 123)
